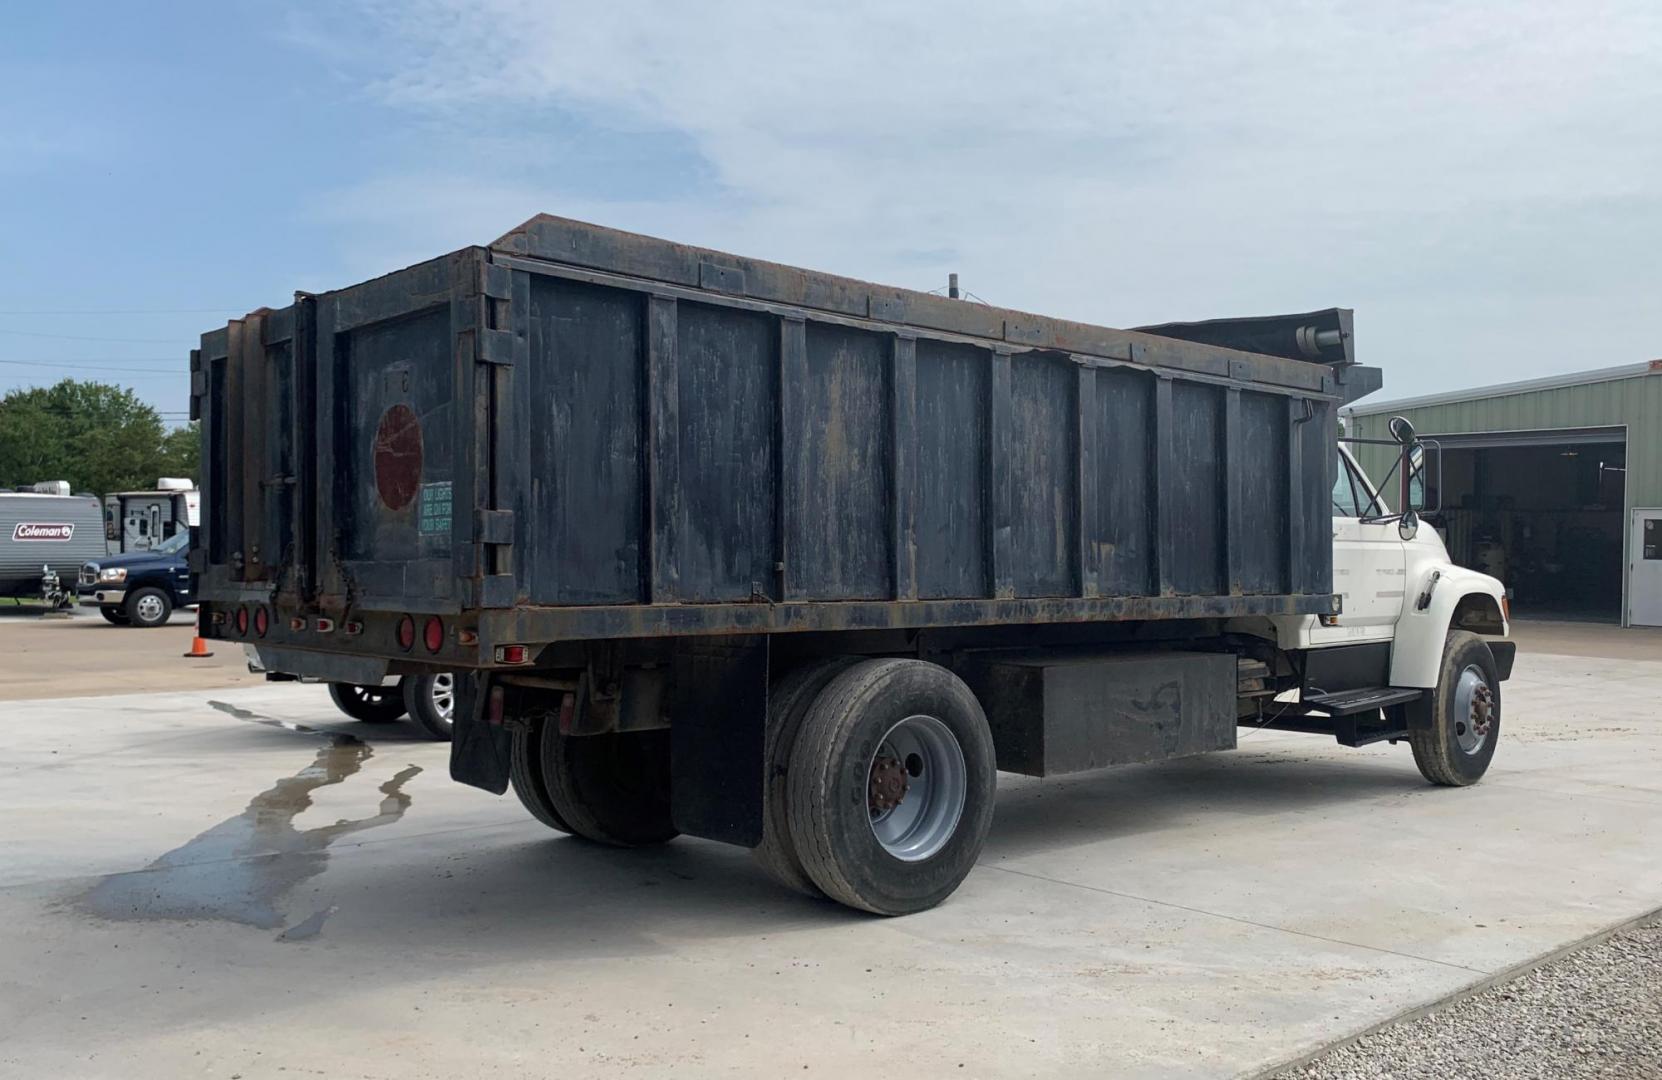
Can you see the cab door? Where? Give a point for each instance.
(1369, 562)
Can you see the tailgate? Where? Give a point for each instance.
(340, 446)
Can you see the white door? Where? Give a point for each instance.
(135, 531)
(1369, 564)
(1644, 580)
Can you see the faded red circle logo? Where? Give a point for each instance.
(398, 457)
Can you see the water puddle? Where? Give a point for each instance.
(242, 869)
(270, 721)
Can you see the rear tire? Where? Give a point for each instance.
(431, 702)
(1454, 730)
(891, 786)
(612, 789)
(525, 771)
(113, 614)
(148, 607)
(788, 702)
(370, 704)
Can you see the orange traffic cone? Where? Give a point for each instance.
(199, 644)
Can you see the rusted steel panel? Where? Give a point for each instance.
(578, 433)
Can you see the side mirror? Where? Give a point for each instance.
(1414, 467)
(1425, 477)
(1408, 525)
(1401, 430)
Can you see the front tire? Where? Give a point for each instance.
(1454, 731)
(891, 786)
(370, 704)
(113, 615)
(148, 607)
(431, 702)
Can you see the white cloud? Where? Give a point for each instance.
(1472, 178)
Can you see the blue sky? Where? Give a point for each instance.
(1481, 184)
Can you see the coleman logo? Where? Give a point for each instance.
(32, 530)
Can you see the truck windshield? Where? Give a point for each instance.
(179, 541)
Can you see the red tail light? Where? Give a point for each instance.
(406, 633)
(242, 621)
(262, 621)
(432, 634)
(512, 654)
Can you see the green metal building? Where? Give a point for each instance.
(1553, 485)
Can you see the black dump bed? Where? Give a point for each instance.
(577, 433)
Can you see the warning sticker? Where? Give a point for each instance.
(435, 508)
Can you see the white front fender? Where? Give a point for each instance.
(1474, 599)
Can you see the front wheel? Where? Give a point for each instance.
(891, 786)
(148, 607)
(1454, 730)
(113, 615)
(370, 704)
(431, 701)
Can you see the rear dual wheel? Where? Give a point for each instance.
(789, 699)
(612, 789)
(889, 784)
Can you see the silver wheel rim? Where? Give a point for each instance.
(149, 608)
(1475, 710)
(916, 786)
(444, 696)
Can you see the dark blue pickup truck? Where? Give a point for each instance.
(140, 588)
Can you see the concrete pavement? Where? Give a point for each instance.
(79, 655)
(241, 882)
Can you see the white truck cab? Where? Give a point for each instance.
(1418, 648)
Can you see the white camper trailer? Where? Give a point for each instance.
(140, 520)
(45, 535)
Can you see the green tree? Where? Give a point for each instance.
(99, 437)
(182, 451)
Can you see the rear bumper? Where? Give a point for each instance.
(304, 666)
(1504, 653)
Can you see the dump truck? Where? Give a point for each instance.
(793, 561)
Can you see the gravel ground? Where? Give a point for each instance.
(1596, 1012)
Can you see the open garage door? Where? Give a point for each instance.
(1543, 511)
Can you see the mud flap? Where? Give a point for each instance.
(1504, 652)
(717, 728)
(481, 745)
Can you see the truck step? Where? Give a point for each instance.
(1365, 699)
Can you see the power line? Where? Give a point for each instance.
(97, 367)
(118, 311)
(82, 337)
(179, 359)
